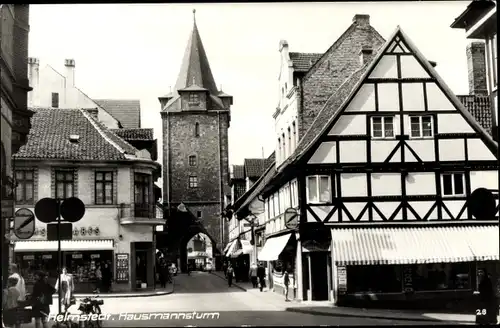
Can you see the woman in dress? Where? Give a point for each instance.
(42, 299)
(67, 289)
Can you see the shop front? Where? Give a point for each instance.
(431, 267)
(80, 257)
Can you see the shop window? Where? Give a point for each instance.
(383, 127)
(193, 181)
(65, 184)
(142, 195)
(55, 100)
(453, 184)
(103, 188)
(192, 160)
(319, 189)
(421, 126)
(25, 186)
(365, 278)
(441, 276)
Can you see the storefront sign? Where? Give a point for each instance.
(47, 256)
(77, 256)
(28, 257)
(342, 278)
(95, 256)
(407, 279)
(122, 268)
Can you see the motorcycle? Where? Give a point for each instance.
(91, 306)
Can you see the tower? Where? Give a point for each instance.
(196, 117)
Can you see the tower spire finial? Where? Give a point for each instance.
(194, 16)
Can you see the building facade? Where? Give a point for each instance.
(71, 154)
(15, 119)
(196, 117)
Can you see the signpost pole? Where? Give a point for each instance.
(59, 255)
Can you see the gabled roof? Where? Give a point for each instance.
(238, 172)
(258, 186)
(134, 134)
(480, 107)
(302, 61)
(255, 167)
(472, 13)
(49, 137)
(127, 112)
(341, 98)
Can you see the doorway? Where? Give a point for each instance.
(319, 275)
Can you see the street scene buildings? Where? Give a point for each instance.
(378, 186)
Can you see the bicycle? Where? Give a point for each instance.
(91, 306)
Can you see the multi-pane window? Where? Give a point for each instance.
(421, 126)
(197, 129)
(25, 186)
(143, 208)
(192, 160)
(65, 184)
(453, 184)
(383, 127)
(55, 99)
(319, 189)
(103, 187)
(295, 200)
(194, 98)
(193, 181)
(199, 214)
(294, 133)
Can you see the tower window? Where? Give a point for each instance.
(198, 214)
(192, 160)
(55, 100)
(194, 98)
(197, 129)
(193, 182)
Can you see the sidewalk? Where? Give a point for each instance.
(245, 286)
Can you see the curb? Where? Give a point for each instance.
(373, 316)
(235, 285)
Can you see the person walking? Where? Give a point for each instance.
(230, 275)
(253, 274)
(10, 303)
(67, 289)
(42, 299)
(488, 307)
(106, 278)
(286, 282)
(98, 277)
(21, 286)
(261, 274)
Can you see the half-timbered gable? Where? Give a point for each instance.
(402, 147)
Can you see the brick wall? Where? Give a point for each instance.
(476, 65)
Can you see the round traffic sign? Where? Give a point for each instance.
(46, 210)
(72, 209)
(291, 218)
(24, 223)
(482, 204)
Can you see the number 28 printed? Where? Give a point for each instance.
(480, 311)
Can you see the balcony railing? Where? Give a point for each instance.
(145, 211)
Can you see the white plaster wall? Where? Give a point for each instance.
(420, 183)
(423, 148)
(353, 151)
(325, 154)
(451, 150)
(413, 96)
(386, 184)
(364, 99)
(422, 208)
(484, 179)
(355, 210)
(436, 99)
(349, 125)
(388, 97)
(386, 68)
(477, 151)
(454, 206)
(387, 209)
(321, 210)
(411, 68)
(381, 150)
(353, 184)
(453, 123)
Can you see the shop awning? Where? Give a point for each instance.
(231, 248)
(273, 247)
(246, 248)
(66, 245)
(414, 245)
(226, 248)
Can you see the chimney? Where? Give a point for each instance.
(365, 54)
(361, 20)
(70, 72)
(284, 48)
(34, 78)
(476, 64)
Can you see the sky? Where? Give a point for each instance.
(134, 51)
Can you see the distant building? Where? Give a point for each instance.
(15, 118)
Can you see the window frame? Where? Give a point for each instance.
(104, 182)
(192, 160)
(197, 130)
(383, 124)
(421, 126)
(65, 182)
(318, 191)
(55, 100)
(24, 181)
(193, 182)
(199, 215)
(194, 98)
(294, 132)
(145, 184)
(453, 174)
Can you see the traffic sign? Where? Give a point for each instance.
(291, 218)
(65, 230)
(72, 209)
(46, 210)
(482, 204)
(24, 223)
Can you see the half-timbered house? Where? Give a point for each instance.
(382, 180)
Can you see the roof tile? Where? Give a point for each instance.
(128, 112)
(238, 172)
(302, 61)
(134, 134)
(480, 107)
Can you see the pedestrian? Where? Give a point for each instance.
(286, 282)
(42, 299)
(230, 275)
(488, 307)
(66, 291)
(21, 286)
(261, 274)
(10, 303)
(98, 277)
(253, 274)
(106, 277)
(224, 268)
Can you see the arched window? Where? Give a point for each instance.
(192, 160)
(197, 129)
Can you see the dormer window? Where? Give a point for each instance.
(194, 98)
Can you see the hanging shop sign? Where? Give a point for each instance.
(28, 257)
(342, 278)
(47, 256)
(122, 268)
(77, 256)
(95, 256)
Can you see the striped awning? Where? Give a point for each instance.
(246, 248)
(66, 245)
(231, 248)
(414, 245)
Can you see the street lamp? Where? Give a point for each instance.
(252, 219)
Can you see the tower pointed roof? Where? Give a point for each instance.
(195, 69)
